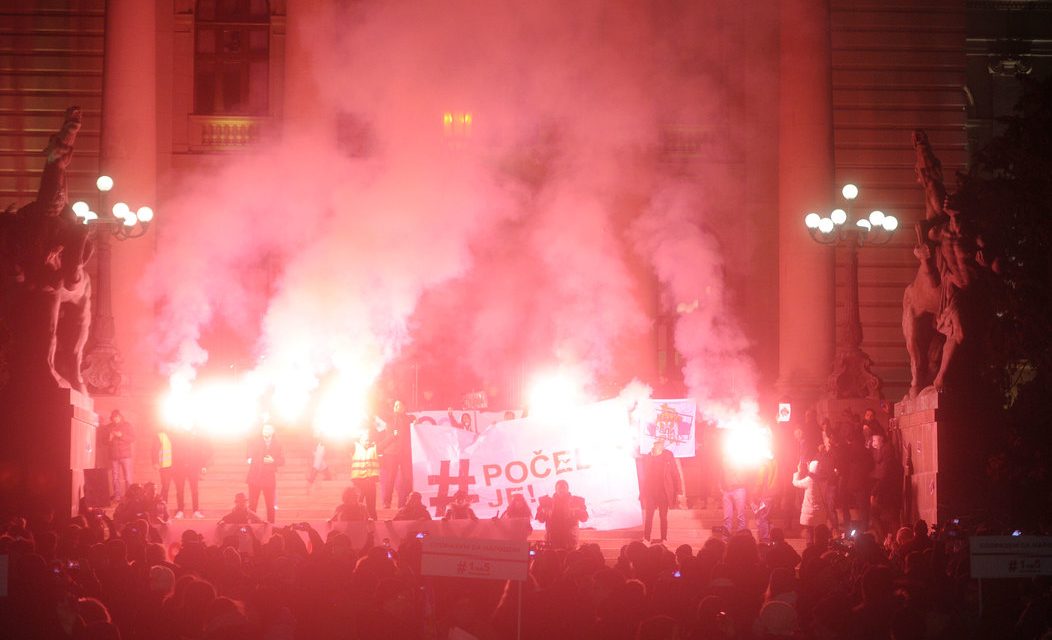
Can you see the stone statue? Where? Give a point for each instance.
(47, 292)
(949, 256)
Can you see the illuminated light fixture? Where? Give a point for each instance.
(104, 183)
(838, 216)
(825, 225)
(80, 208)
(891, 223)
(457, 123)
(876, 218)
(144, 214)
(121, 209)
(811, 220)
(130, 219)
(850, 191)
(864, 224)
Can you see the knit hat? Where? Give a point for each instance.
(776, 619)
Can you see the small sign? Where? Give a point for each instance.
(1011, 556)
(785, 411)
(475, 558)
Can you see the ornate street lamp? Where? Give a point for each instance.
(101, 364)
(851, 377)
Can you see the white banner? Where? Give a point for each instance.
(591, 447)
(668, 420)
(469, 419)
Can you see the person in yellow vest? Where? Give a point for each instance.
(365, 471)
(161, 457)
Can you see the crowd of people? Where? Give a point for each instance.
(94, 577)
(845, 474)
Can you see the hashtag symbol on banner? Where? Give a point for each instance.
(444, 481)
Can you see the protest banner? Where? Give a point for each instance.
(668, 420)
(475, 420)
(591, 447)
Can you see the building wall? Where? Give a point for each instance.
(51, 56)
(898, 65)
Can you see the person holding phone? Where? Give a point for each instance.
(241, 513)
(265, 455)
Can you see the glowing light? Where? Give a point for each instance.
(811, 220)
(891, 223)
(447, 119)
(90, 215)
(129, 219)
(80, 208)
(121, 209)
(747, 444)
(864, 224)
(342, 409)
(554, 394)
(145, 214)
(104, 183)
(825, 225)
(850, 191)
(876, 218)
(838, 216)
(219, 408)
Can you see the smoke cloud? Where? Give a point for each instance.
(504, 164)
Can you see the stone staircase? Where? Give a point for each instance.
(51, 57)
(299, 502)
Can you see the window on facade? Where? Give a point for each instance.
(231, 57)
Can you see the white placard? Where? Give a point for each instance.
(1010, 556)
(475, 558)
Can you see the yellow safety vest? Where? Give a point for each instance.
(166, 450)
(364, 463)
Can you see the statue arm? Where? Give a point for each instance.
(929, 174)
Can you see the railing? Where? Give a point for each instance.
(228, 133)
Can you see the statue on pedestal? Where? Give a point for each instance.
(950, 254)
(46, 290)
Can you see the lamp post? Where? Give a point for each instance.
(101, 365)
(851, 377)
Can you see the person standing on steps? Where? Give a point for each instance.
(660, 487)
(265, 455)
(191, 456)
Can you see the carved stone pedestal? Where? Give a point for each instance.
(938, 433)
(47, 442)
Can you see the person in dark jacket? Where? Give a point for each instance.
(517, 508)
(191, 455)
(660, 486)
(460, 508)
(562, 512)
(393, 448)
(120, 438)
(414, 508)
(265, 455)
(240, 513)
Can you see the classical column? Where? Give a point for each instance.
(129, 156)
(805, 183)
